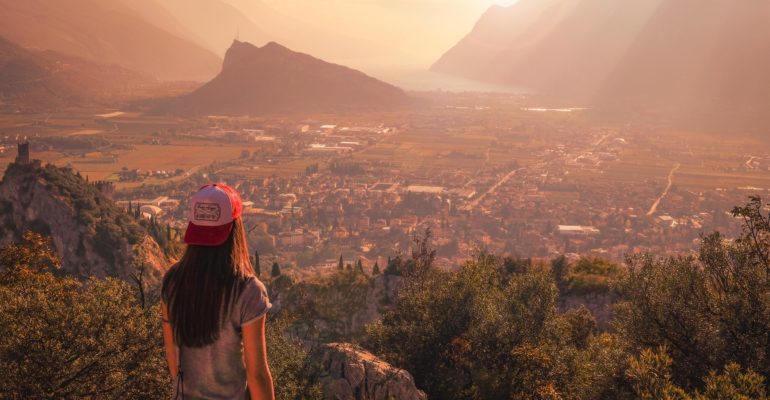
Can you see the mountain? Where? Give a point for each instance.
(677, 54)
(108, 32)
(91, 235)
(269, 79)
(46, 79)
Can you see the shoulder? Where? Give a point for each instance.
(252, 285)
(253, 303)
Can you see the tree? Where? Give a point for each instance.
(560, 269)
(650, 374)
(62, 338)
(708, 311)
(32, 255)
(376, 269)
(276, 272)
(475, 334)
(341, 263)
(257, 268)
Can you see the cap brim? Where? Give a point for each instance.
(198, 235)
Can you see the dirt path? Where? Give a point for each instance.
(655, 205)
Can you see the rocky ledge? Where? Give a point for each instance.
(351, 373)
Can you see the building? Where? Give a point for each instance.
(576, 231)
(425, 189)
(22, 156)
(150, 210)
(292, 239)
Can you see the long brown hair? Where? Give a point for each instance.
(201, 288)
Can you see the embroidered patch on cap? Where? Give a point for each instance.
(207, 212)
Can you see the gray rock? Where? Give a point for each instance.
(351, 373)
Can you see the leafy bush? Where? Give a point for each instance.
(484, 333)
(708, 311)
(650, 373)
(62, 338)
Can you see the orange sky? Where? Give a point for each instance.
(416, 32)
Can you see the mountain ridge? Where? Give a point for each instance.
(273, 78)
(47, 79)
(685, 56)
(107, 32)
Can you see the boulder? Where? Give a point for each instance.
(351, 373)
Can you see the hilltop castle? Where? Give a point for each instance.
(22, 155)
(23, 158)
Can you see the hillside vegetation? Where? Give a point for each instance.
(92, 236)
(682, 328)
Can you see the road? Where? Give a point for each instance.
(655, 205)
(491, 190)
(751, 160)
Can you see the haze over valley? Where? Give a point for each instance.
(459, 199)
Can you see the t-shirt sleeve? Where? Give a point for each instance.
(254, 303)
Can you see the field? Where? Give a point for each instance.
(450, 136)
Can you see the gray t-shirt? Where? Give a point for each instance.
(217, 371)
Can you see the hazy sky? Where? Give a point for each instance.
(415, 31)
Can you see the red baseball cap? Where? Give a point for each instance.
(212, 212)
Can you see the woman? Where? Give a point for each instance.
(214, 307)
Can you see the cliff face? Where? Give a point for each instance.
(351, 373)
(91, 235)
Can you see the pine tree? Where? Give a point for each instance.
(257, 269)
(359, 266)
(376, 269)
(341, 263)
(276, 270)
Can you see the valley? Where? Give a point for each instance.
(481, 171)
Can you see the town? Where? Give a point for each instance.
(478, 172)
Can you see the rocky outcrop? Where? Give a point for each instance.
(90, 234)
(351, 373)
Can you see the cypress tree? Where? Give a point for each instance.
(276, 270)
(257, 269)
(376, 269)
(359, 266)
(341, 263)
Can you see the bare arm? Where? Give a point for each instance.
(255, 353)
(168, 341)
